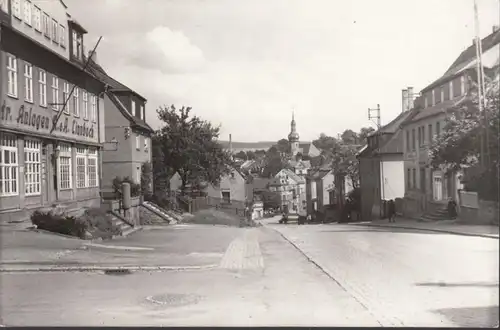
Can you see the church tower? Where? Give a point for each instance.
(293, 137)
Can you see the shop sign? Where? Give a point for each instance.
(43, 123)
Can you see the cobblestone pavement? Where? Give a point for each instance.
(408, 277)
(282, 289)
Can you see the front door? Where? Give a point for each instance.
(438, 188)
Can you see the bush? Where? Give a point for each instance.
(59, 223)
(100, 223)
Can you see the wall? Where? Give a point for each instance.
(236, 186)
(486, 213)
(132, 215)
(55, 10)
(392, 178)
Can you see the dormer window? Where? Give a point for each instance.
(143, 113)
(77, 45)
(133, 108)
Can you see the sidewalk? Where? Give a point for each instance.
(169, 247)
(446, 226)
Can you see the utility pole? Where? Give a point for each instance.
(381, 178)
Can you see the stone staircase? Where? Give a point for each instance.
(172, 217)
(125, 228)
(438, 214)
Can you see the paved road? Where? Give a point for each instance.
(384, 277)
(408, 278)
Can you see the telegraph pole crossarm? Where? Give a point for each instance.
(65, 104)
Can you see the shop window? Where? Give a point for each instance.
(32, 167)
(81, 167)
(92, 167)
(11, 76)
(9, 166)
(65, 166)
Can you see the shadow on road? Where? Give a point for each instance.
(471, 316)
(460, 285)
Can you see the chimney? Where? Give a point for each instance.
(230, 144)
(405, 100)
(93, 57)
(411, 98)
(495, 28)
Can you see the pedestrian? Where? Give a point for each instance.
(392, 211)
(452, 208)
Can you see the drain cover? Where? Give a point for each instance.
(117, 272)
(174, 299)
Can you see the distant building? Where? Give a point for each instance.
(232, 188)
(306, 149)
(292, 190)
(320, 190)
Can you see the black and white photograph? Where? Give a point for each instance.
(249, 163)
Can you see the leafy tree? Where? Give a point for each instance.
(188, 145)
(349, 137)
(325, 142)
(363, 134)
(250, 155)
(260, 153)
(283, 146)
(344, 162)
(459, 146)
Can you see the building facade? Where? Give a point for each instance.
(320, 187)
(127, 135)
(44, 162)
(231, 188)
(292, 190)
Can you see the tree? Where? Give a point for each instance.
(188, 145)
(325, 142)
(459, 146)
(349, 137)
(250, 155)
(283, 146)
(344, 162)
(363, 134)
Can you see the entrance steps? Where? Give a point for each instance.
(438, 214)
(125, 228)
(170, 216)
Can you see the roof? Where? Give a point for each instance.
(442, 107)
(136, 121)
(394, 125)
(77, 25)
(320, 173)
(299, 163)
(290, 175)
(260, 183)
(394, 145)
(464, 59)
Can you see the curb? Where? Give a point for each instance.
(105, 268)
(380, 319)
(428, 229)
(98, 239)
(91, 246)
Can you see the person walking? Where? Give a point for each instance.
(392, 211)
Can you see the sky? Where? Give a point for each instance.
(247, 64)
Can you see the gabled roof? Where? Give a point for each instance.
(465, 58)
(434, 110)
(133, 119)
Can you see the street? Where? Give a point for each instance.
(312, 275)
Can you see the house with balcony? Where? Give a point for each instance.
(427, 189)
(127, 134)
(292, 190)
(51, 115)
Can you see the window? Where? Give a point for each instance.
(27, 12)
(143, 113)
(462, 85)
(451, 90)
(92, 167)
(77, 45)
(93, 109)
(81, 167)
(441, 94)
(422, 179)
(438, 129)
(62, 36)
(28, 82)
(12, 76)
(55, 93)
(226, 197)
(146, 144)
(85, 105)
(413, 143)
(138, 142)
(76, 102)
(408, 178)
(55, 28)
(66, 96)
(138, 175)
(419, 136)
(426, 102)
(42, 85)
(430, 133)
(46, 25)
(65, 166)
(16, 8)
(414, 178)
(133, 108)
(37, 18)
(8, 165)
(32, 165)
(433, 97)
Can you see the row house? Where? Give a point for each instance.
(428, 189)
(43, 163)
(320, 191)
(292, 190)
